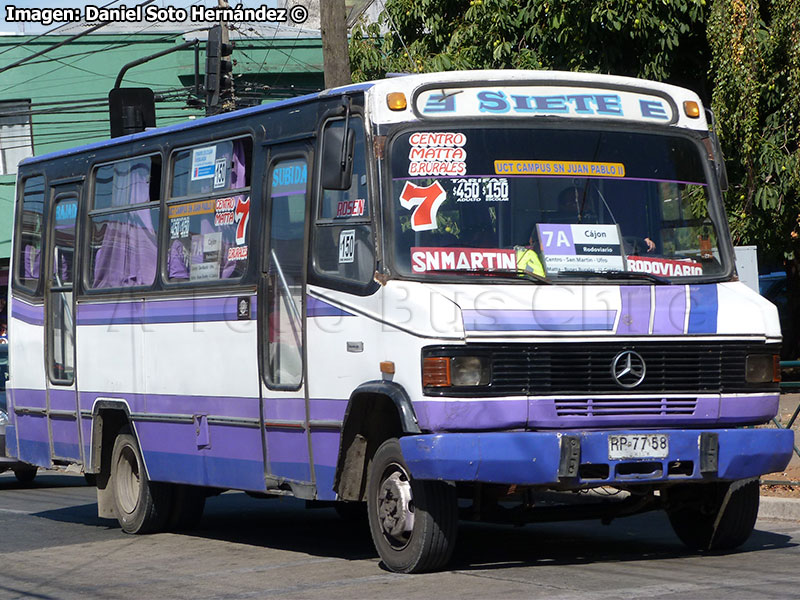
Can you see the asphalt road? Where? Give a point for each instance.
(52, 545)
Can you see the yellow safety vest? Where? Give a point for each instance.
(528, 260)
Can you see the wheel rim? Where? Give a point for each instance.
(396, 506)
(127, 481)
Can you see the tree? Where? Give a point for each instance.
(662, 40)
(756, 76)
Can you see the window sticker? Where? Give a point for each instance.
(220, 172)
(242, 217)
(192, 208)
(425, 201)
(350, 208)
(424, 259)
(580, 247)
(477, 189)
(179, 228)
(224, 211)
(664, 266)
(437, 154)
(203, 162)
(237, 253)
(550, 168)
(204, 271)
(347, 246)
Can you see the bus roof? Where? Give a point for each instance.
(194, 123)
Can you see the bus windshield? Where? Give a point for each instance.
(555, 204)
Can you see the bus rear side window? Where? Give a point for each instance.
(208, 236)
(124, 224)
(29, 247)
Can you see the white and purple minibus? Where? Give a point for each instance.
(441, 296)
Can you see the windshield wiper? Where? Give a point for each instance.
(617, 275)
(503, 273)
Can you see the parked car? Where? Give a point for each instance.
(23, 471)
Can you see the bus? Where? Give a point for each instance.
(437, 297)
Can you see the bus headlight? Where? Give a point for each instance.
(469, 370)
(455, 371)
(762, 368)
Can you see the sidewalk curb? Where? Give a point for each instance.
(779, 509)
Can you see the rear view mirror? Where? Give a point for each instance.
(337, 158)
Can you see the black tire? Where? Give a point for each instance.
(188, 503)
(140, 506)
(427, 542)
(695, 511)
(26, 475)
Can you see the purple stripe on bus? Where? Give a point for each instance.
(227, 406)
(752, 409)
(284, 409)
(703, 308)
(163, 311)
(670, 312)
(33, 315)
(65, 438)
(325, 445)
(327, 409)
(635, 315)
(224, 441)
(30, 398)
(463, 415)
(287, 454)
(538, 320)
(319, 308)
(543, 413)
(63, 399)
(135, 402)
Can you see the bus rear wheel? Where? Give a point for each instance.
(696, 511)
(413, 522)
(26, 474)
(140, 506)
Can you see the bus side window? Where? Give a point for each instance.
(209, 211)
(124, 223)
(29, 246)
(343, 239)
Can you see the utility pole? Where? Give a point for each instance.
(335, 55)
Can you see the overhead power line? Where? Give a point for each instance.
(62, 43)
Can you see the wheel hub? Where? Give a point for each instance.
(396, 508)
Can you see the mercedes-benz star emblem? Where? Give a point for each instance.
(628, 369)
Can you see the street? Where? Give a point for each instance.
(52, 545)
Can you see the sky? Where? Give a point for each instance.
(35, 28)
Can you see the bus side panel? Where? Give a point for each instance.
(325, 437)
(202, 369)
(28, 403)
(108, 359)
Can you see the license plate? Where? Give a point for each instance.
(638, 445)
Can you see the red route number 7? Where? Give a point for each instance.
(427, 201)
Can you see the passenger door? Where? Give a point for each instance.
(62, 398)
(282, 320)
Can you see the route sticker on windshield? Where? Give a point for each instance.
(664, 266)
(580, 247)
(204, 162)
(435, 154)
(424, 260)
(425, 202)
(556, 168)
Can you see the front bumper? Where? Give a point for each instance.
(572, 459)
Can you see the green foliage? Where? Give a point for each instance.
(756, 67)
(624, 37)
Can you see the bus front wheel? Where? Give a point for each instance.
(413, 522)
(714, 516)
(139, 505)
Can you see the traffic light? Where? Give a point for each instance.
(219, 77)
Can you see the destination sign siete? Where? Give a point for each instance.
(543, 100)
